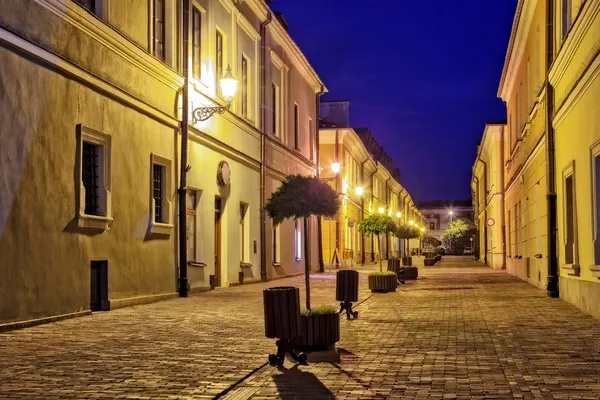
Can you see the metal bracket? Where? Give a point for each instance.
(204, 113)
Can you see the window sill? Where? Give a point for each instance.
(160, 228)
(298, 259)
(97, 222)
(245, 265)
(572, 269)
(276, 264)
(595, 270)
(196, 264)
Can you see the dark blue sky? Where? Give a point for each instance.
(422, 75)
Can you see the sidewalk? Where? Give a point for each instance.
(470, 333)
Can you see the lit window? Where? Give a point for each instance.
(298, 233)
(158, 179)
(160, 189)
(244, 86)
(570, 230)
(196, 42)
(244, 234)
(191, 203)
(219, 57)
(159, 30)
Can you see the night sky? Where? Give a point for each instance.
(422, 75)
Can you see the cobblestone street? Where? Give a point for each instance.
(460, 331)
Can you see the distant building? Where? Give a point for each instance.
(438, 214)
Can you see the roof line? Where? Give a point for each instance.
(511, 45)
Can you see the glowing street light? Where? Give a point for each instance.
(398, 214)
(228, 85)
(411, 222)
(381, 210)
(359, 191)
(335, 167)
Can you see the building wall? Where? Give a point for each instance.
(45, 266)
(576, 78)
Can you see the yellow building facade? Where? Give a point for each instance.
(551, 86)
(89, 209)
(488, 196)
(365, 187)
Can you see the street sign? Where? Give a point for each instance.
(491, 222)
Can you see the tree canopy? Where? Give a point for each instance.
(377, 224)
(300, 197)
(404, 231)
(432, 241)
(456, 229)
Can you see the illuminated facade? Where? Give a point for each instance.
(90, 184)
(551, 87)
(366, 186)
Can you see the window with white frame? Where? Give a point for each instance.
(218, 57)
(537, 61)
(196, 43)
(94, 171)
(570, 215)
(298, 239)
(191, 224)
(160, 188)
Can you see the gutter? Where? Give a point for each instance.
(263, 118)
(184, 168)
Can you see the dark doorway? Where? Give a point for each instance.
(99, 286)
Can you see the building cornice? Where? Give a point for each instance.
(516, 46)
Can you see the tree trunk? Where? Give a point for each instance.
(306, 264)
(380, 253)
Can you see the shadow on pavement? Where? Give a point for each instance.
(294, 383)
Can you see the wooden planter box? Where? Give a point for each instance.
(282, 312)
(319, 331)
(394, 265)
(383, 283)
(429, 262)
(346, 286)
(407, 261)
(408, 273)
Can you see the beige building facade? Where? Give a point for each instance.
(91, 151)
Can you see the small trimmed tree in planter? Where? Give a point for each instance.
(407, 232)
(379, 225)
(302, 197)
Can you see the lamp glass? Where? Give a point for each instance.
(411, 222)
(381, 210)
(390, 213)
(422, 229)
(228, 85)
(398, 214)
(335, 167)
(359, 191)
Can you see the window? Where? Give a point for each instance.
(158, 192)
(527, 90)
(160, 187)
(298, 241)
(519, 110)
(537, 61)
(508, 237)
(244, 86)
(219, 57)
(93, 169)
(596, 201)
(159, 32)
(89, 5)
(191, 203)
(518, 229)
(565, 18)
(275, 110)
(196, 43)
(276, 245)
(311, 139)
(538, 219)
(91, 175)
(432, 226)
(296, 128)
(570, 234)
(244, 233)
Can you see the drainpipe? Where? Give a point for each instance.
(263, 118)
(552, 285)
(485, 226)
(362, 211)
(319, 228)
(183, 279)
(502, 211)
(387, 235)
(337, 190)
(372, 188)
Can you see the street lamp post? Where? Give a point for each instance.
(451, 213)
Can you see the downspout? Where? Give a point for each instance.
(337, 190)
(263, 118)
(502, 211)
(552, 285)
(317, 136)
(485, 225)
(475, 196)
(372, 188)
(183, 279)
(387, 235)
(362, 211)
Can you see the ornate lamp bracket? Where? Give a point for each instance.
(204, 113)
